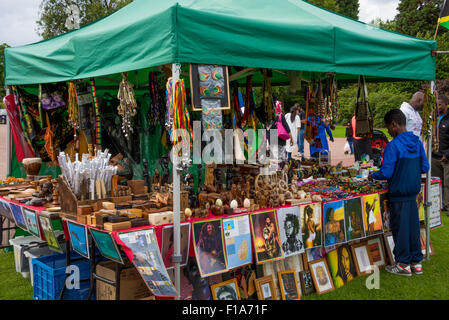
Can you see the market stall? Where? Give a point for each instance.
(221, 49)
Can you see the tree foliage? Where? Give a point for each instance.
(2, 72)
(417, 16)
(331, 5)
(53, 16)
(349, 8)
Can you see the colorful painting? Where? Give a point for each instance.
(148, 261)
(5, 210)
(31, 221)
(341, 265)
(371, 214)
(310, 217)
(385, 210)
(266, 236)
(79, 238)
(49, 233)
(420, 202)
(209, 247)
(107, 245)
(334, 223)
(167, 249)
(354, 219)
(237, 235)
(290, 230)
(18, 215)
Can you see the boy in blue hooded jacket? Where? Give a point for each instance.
(403, 163)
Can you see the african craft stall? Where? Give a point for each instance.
(241, 223)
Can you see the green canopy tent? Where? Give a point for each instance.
(285, 35)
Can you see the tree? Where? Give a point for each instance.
(326, 4)
(53, 13)
(417, 16)
(2, 72)
(349, 8)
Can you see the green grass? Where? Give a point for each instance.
(340, 132)
(12, 285)
(432, 285)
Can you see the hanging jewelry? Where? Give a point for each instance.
(73, 109)
(128, 105)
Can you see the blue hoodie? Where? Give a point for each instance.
(403, 163)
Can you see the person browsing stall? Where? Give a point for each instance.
(411, 112)
(403, 163)
(440, 163)
(294, 123)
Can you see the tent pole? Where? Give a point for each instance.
(176, 71)
(428, 182)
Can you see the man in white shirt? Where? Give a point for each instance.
(410, 110)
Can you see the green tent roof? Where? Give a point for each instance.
(281, 34)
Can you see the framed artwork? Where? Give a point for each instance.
(266, 236)
(5, 210)
(354, 219)
(371, 214)
(362, 258)
(227, 290)
(49, 233)
(341, 265)
(265, 288)
(18, 215)
(315, 253)
(147, 259)
(376, 251)
(274, 267)
(420, 202)
(321, 276)
(422, 237)
(290, 231)
(107, 245)
(79, 238)
(288, 283)
(310, 217)
(334, 223)
(237, 237)
(32, 222)
(167, 249)
(209, 247)
(389, 247)
(306, 282)
(385, 210)
(209, 87)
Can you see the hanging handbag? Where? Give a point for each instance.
(282, 133)
(364, 120)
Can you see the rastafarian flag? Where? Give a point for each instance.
(444, 15)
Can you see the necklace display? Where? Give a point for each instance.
(128, 105)
(73, 109)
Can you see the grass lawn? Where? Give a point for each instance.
(340, 132)
(432, 285)
(12, 285)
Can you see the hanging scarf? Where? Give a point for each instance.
(49, 135)
(181, 118)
